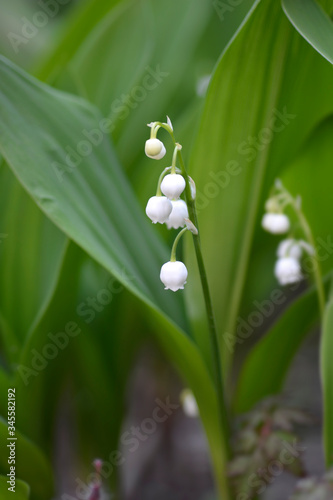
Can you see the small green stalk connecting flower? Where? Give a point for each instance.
(175, 243)
(160, 179)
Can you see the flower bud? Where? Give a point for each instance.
(289, 248)
(173, 185)
(154, 148)
(288, 270)
(275, 223)
(173, 275)
(158, 209)
(178, 214)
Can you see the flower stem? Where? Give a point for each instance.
(222, 407)
(160, 179)
(316, 269)
(296, 205)
(175, 243)
(174, 158)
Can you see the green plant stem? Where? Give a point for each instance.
(175, 243)
(316, 269)
(222, 407)
(160, 179)
(309, 237)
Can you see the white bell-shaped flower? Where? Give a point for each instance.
(173, 185)
(154, 148)
(158, 209)
(289, 248)
(173, 275)
(178, 214)
(275, 223)
(189, 403)
(288, 270)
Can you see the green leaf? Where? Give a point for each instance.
(103, 72)
(30, 465)
(315, 190)
(82, 19)
(30, 258)
(326, 367)
(90, 201)
(312, 22)
(247, 134)
(22, 490)
(265, 367)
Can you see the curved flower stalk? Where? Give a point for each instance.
(288, 267)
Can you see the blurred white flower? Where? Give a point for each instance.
(178, 214)
(158, 209)
(173, 185)
(173, 275)
(189, 404)
(275, 223)
(307, 247)
(288, 270)
(154, 148)
(289, 248)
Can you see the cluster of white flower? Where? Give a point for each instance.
(290, 250)
(167, 207)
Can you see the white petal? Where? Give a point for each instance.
(173, 275)
(288, 270)
(178, 215)
(289, 248)
(173, 185)
(154, 148)
(275, 223)
(158, 209)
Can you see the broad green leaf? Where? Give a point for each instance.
(265, 367)
(82, 19)
(312, 22)
(91, 200)
(326, 366)
(315, 189)
(30, 257)
(5, 382)
(109, 63)
(22, 490)
(30, 463)
(247, 134)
